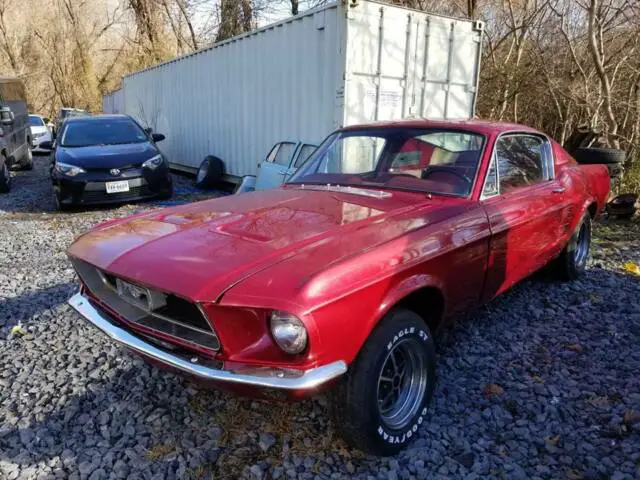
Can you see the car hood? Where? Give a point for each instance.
(200, 250)
(107, 156)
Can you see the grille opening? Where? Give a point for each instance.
(183, 311)
(177, 318)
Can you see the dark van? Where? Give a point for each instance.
(15, 136)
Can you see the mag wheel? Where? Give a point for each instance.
(572, 262)
(380, 404)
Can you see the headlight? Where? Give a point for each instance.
(289, 332)
(153, 162)
(69, 170)
(38, 135)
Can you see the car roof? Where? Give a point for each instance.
(484, 127)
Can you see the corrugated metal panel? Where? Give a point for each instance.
(113, 102)
(403, 63)
(239, 98)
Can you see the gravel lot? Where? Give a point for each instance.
(542, 383)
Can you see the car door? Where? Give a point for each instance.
(303, 152)
(273, 170)
(524, 203)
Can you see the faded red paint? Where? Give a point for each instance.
(339, 261)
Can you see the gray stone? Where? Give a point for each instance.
(266, 441)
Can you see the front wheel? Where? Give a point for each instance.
(572, 262)
(382, 401)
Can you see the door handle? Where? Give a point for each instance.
(558, 190)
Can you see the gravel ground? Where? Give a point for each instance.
(542, 383)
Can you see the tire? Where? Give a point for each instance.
(571, 263)
(59, 206)
(366, 422)
(599, 155)
(210, 172)
(5, 177)
(168, 194)
(27, 163)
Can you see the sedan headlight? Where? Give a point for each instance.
(69, 170)
(289, 332)
(153, 162)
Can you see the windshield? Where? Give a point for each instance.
(35, 121)
(428, 160)
(102, 132)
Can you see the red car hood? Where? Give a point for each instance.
(200, 250)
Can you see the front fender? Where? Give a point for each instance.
(406, 287)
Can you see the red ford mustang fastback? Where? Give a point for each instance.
(340, 277)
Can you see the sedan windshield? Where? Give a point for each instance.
(85, 133)
(428, 160)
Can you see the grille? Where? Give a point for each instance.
(103, 196)
(153, 310)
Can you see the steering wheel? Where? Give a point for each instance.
(431, 170)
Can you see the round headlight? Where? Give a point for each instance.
(289, 332)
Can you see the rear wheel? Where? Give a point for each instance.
(573, 260)
(5, 177)
(382, 401)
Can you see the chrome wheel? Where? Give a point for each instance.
(402, 383)
(581, 246)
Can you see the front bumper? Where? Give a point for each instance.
(89, 188)
(271, 378)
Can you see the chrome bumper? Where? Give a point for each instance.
(283, 379)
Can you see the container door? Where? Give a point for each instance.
(403, 63)
(273, 170)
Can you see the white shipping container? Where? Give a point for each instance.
(113, 102)
(346, 63)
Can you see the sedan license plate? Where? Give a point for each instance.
(117, 187)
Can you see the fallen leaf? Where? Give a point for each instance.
(552, 439)
(538, 378)
(493, 389)
(595, 298)
(18, 330)
(632, 267)
(157, 452)
(631, 417)
(597, 401)
(575, 347)
(573, 474)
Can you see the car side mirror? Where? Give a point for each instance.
(157, 137)
(47, 145)
(6, 116)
